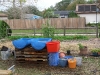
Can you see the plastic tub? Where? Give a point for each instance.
(53, 46)
(68, 57)
(72, 63)
(39, 43)
(78, 61)
(21, 43)
(63, 62)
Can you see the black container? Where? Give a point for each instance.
(68, 52)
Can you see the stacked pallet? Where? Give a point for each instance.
(30, 54)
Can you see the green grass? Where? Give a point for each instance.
(68, 31)
(61, 38)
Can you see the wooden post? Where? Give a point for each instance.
(64, 30)
(34, 30)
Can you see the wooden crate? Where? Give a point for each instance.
(30, 54)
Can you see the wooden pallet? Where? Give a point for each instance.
(30, 54)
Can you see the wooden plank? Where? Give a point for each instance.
(37, 59)
(31, 56)
(34, 53)
(5, 72)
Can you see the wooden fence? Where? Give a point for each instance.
(57, 22)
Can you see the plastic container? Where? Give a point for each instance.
(63, 62)
(78, 61)
(5, 53)
(53, 46)
(72, 63)
(39, 43)
(68, 57)
(53, 59)
(21, 43)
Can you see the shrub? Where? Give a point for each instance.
(48, 30)
(3, 29)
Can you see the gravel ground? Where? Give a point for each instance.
(64, 45)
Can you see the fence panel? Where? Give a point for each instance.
(57, 22)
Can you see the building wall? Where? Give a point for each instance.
(90, 17)
(3, 18)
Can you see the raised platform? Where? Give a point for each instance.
(30, 54)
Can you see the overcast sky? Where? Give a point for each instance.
(40, 4)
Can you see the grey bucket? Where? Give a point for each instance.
(5, 53)
(78, 61)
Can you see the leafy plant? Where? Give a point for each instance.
(3, 29)
(72, 14)
(80, 46)
(94, 51)
(48, 30)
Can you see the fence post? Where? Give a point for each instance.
(64, 30)
(34, 30)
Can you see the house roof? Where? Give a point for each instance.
(86, 8)
(61, 12)
(31, 16)
(3, 15)
(28, 16)
(36, 17)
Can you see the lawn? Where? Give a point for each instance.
(57, 31)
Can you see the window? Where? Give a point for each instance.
(93, 7)
(81, 8)
(87, 7)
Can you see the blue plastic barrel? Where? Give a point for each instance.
(21, 43)
(63, 62)
(53, 59)
(39, 43)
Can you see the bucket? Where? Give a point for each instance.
(5, 53)
(63, 62)
(53, 59)
(78, 61)
(53, 46)
(72, 63)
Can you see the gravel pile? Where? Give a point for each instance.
(64, 45)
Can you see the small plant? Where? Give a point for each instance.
(83, 49)
(80, 46)
(94, 51)
(48, 30)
